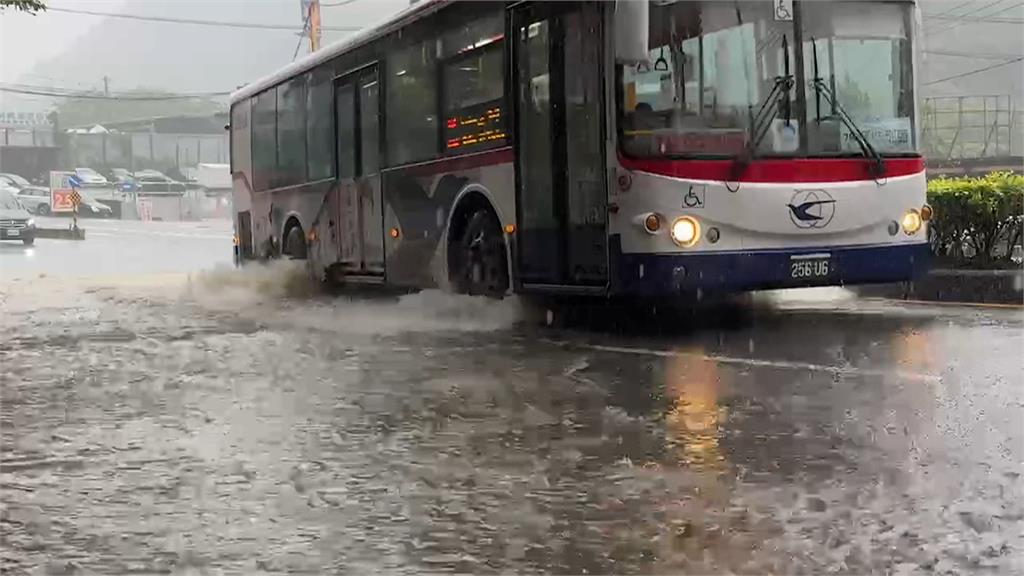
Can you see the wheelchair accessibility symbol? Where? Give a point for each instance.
(783, 10)
(694, 197)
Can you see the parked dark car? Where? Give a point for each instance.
(91, 178)
(116, 174)
(91, 207)
(15, 222)
(153, 182)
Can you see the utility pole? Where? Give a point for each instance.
(106, 85)
(314, 25)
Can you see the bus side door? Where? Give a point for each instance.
(557, 50)
(357, 101)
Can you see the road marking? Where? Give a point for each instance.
(783, 364)
(122, 231)
(949, 303)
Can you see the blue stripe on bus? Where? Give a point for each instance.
(664, 274)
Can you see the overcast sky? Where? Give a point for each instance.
(54, 48)
(76, 51)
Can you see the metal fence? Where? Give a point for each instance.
(164, 152)
(957, 128)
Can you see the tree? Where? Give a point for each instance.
(30, 6)
(856, 101)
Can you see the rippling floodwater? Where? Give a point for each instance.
(235, 422)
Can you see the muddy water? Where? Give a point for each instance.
(235, 422)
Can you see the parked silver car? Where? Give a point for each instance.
(35, 199)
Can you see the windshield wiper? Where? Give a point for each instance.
(823, 89)
(760, 122)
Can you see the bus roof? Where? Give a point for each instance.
(338, 47)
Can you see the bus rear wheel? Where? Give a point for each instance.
(480, 261)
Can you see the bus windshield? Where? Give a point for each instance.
(723, 76)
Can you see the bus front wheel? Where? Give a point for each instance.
(481, 265)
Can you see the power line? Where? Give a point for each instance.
(956, 21)
(58, 93)
(69, 90)
(309, 13)
(219, 23)
(978, 71)
(977, 55)
(947, 13)
(987, 19)
(951, 10)
(977, 17)
(305, 27)
(85, 86)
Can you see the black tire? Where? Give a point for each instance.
(295, 243)
(43, 209)
(28, 241)
(480, 263)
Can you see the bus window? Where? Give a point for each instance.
(472, 35)
(264, 139)
(320, 125)
(369, 123)
(291, 132)
(412, 104)
(474, 112)
(346, 101)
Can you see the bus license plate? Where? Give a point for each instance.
(14, 233)
(810, 266)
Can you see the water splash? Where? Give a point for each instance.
(282, 292)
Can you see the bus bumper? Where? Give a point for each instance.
(667, 274)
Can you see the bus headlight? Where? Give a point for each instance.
(927, 212)
(685, 231)
(911, 222)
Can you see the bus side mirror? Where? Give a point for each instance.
(632, 19)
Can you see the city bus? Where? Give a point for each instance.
(630, 148)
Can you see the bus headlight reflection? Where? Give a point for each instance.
(685, 231)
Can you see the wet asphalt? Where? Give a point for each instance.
(164, 413)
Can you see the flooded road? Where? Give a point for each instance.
(155, 421)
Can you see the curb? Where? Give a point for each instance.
(61, 233)
(956, 287)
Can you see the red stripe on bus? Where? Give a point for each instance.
(775, 170)
(459, 163)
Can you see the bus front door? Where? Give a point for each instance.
(560, 168)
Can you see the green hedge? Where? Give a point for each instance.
(977, 221)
